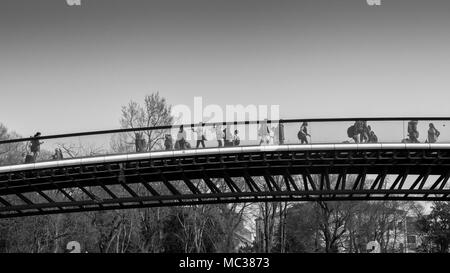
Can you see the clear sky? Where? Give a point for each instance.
(66, 69)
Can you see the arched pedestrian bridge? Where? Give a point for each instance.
(104, 171)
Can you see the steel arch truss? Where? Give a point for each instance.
(308, 175)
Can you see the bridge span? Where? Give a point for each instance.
(249, 173)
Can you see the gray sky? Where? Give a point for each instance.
(66, 69)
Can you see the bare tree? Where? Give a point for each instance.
(154, 112)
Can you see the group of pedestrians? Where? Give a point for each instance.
(266, 134)
(360, 132)
(33, 150)
(224, 137)
(413, 133)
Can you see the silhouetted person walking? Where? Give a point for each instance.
(413, 134)
(168, 143)
(35, 145)
(433, 134)
(236, 139)
(181, 138)
(201, 135)
(140, 142)
(264, 133)
(228, 137)
(220, 135)
(303, 133)
(372, 136)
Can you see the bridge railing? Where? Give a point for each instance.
(263, 132)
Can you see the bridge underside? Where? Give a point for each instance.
(211, 178)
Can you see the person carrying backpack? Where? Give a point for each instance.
(303, 133)
(371, 137)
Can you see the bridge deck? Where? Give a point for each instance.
(226, 175)
(221, 151)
